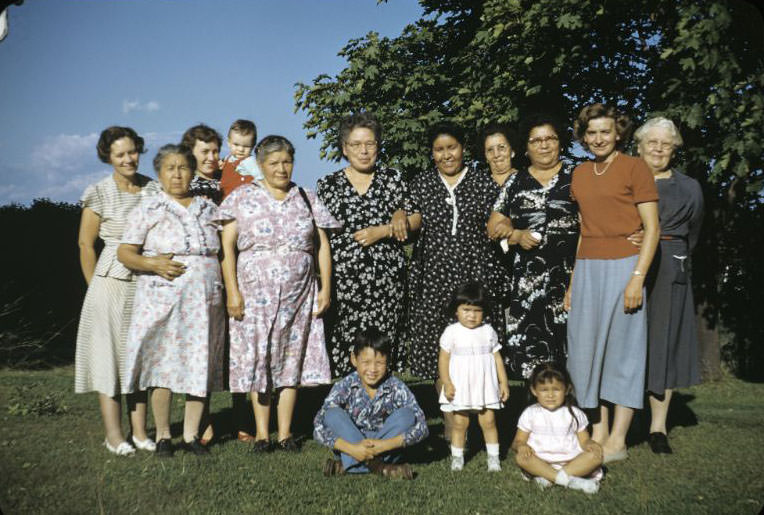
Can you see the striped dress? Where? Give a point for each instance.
(106, 311)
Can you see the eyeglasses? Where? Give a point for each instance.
(355, 146)
(497, 149)
(653, 144)
(536, 142)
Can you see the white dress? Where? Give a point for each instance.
(472, 368)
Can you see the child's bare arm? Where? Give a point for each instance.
(586, 442)
(444, 359)
(520, 443)
(502, 373)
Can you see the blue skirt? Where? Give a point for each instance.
(607, 348)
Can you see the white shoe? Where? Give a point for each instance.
(542, 482)
(588, 486)
(457, 463)
(493, 464)
(144, 445)
(123, 449)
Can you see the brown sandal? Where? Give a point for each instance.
(391, 470)
(333, 468)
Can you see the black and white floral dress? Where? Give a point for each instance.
(536, 320)
(451, 249)
(368, 282)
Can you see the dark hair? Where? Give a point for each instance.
(472, 293)
(244, 127)
(200, 132)
(623, 124)
(112, 134)
(373, 339)
(551, 371)
(539, 119)
(448, 129)
(362, 120)
(171, 149)
(273, 143)
(499, 128)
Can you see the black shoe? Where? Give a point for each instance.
(164, 448)
(659, 443)
(261, 446)
(195, 447)
(288, 444)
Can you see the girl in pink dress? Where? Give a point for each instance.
(273, 297)
(551, 442)
(472, 372)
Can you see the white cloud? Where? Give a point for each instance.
(136, 105)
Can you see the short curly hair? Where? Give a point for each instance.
(203, 133)
(499, 128)
(447, 129)
(112, 134)
(362, 120)
(623, 124)
(172, 149)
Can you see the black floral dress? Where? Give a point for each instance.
(368, 282)
(451, 249)
(536, 319)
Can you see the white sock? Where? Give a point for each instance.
(562, 478)
(457, 452)
(492, 449)
(589, 486)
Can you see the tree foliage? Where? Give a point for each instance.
(699, 63)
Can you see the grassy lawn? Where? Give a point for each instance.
(54, 463)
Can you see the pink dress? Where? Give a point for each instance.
(278, 343)
(177, 329)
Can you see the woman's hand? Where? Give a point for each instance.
(449, 390)
(636, 237)
(371, 234)
(235, 304)
(164, 266)
(400, 224)
(632, 295)
(499, 226)
(361, 451)
(323, 301)
(523, 238)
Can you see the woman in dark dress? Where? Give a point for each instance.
(535, 214)
(453, 202)
(367, 252)
(672, 339)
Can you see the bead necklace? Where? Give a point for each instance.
(606, 166)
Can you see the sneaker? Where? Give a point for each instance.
(588, 486)
(493, 464)
(542, 482)
(457, 463)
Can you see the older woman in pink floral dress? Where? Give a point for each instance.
(175, 340)
(274, 300)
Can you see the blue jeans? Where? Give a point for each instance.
(340, 423)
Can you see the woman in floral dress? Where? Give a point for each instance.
(535, 213)
(273, 298)
(368, 262)
(175, 341)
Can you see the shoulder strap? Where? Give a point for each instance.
(305, 198)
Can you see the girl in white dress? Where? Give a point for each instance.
(472, 373)
(552, 442)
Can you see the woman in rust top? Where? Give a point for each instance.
(607, 325)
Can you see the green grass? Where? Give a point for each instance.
(52, 461)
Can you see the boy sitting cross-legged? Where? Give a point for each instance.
(369, 416)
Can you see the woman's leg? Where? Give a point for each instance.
(160, 407)
(136, 403)
(111, 413)
(616, 442)
(659, 412)
(261, 404)
(205, 424)
(192, 417)
(601, 429)
(284, 412)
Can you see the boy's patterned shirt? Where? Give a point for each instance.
(369, 414)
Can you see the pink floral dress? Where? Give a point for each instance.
(278, 343)
(177, 329)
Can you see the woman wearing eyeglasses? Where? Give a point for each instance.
(535, 214)
(367, 252)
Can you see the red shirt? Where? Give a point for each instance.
(230, 179)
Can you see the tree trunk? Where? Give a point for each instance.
(709, 351)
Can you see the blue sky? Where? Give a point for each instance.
(68, 69)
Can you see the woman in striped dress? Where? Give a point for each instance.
(108, 302)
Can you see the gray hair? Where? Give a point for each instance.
(659, 122)
(271, 144)
(171, 149)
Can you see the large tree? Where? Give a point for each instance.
(697, 62)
